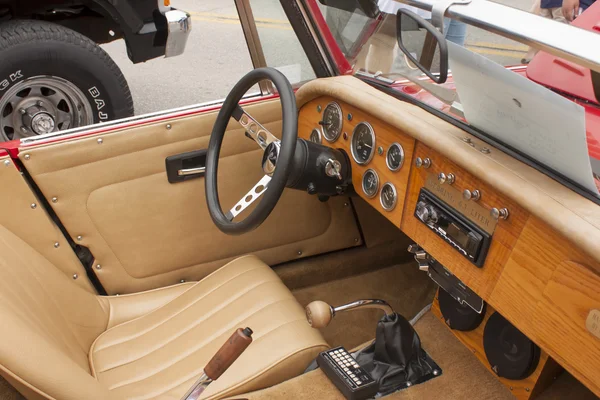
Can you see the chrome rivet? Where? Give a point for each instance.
(485, 150)
(356, 240)
(345, 136)
(467, 140)
(6, 162)
(56, 245)
(100, 141)
(527, 389)
(319, 108)
(33, 206)
(117, 294)
(511, 388)
(169, 126)
(380, 150)
(346, 204)
(98, 266)
(436, 372)
(349, 117)
(182, 281)
(79, 238)
(499, 213)
(55, 199)
(75, 276)
(408, 384)
(27, 156)
(299, 253)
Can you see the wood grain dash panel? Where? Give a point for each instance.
(547, 290)
(385, 135)
(506, 234)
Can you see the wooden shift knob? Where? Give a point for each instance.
(319, 314)
(228, 353)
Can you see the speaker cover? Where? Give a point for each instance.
(511, 354)
(458, 316)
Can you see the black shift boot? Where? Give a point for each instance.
(396, 359)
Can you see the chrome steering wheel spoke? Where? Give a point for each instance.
(254, 130)
(249, 198)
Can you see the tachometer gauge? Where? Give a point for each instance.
(332, 122)
(315, 136)
(394, 157)
(362, 144)
(388, 197)
(370, 183)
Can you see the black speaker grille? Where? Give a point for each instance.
(511, 354)
(457, 316)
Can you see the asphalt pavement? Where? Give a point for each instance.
(217, 56)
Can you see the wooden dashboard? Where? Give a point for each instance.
(534, 276)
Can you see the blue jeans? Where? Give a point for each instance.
(455, 31)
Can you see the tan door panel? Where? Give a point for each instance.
(112, 190)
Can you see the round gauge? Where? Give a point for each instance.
(388, 197)
(394, 158)
(315, 136)
(332, 122)
(362, 144)
(370, 183)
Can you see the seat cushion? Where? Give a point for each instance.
(161, 354)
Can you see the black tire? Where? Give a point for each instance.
(31, 49)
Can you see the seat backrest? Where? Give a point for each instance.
(48, 324)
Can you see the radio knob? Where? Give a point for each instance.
(499, 213)
(426, 213)
(443, 178)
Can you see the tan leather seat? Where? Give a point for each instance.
(59, 341)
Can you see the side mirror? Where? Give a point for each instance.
(368, 7)
(423, 45)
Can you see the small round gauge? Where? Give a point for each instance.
(394, 158)
(370, 183)
(388, 197)
(332, 122)
(315, 136)
(362, 144)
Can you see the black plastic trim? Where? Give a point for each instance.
(307, 40)
(84, 255)
(557, 176)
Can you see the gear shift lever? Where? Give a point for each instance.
(319, 314)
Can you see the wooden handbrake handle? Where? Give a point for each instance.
(228, 353)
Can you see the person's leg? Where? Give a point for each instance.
(455, 31)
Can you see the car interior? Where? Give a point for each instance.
(358, 245)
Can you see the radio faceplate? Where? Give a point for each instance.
(463, 235)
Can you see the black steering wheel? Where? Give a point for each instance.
(277, 158)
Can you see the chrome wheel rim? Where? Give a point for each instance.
(40, 105)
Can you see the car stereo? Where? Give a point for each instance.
(463, 235)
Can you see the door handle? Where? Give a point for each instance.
(191, 171)
(186, 166)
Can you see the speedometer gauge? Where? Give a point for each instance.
(362, 144)
(394, 157)
(370, 183)
(388, 197)
(332, 122)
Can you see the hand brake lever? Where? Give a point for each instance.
(221, 361)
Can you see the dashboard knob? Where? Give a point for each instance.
(499, 213)
(422, 162)
(474, 195)
(442, 178)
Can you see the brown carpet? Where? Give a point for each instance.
(7, 392)
(464, 377)
(406, 288)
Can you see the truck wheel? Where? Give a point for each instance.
(52, 78)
